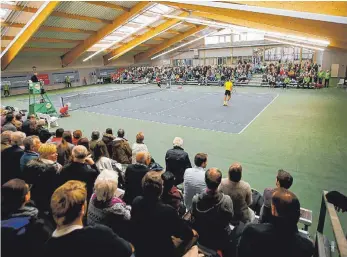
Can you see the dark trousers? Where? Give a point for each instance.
(326, 83)
(6, 92)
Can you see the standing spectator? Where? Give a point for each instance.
(281, 233)
(76, 135)
(327, 78)
(121, 151)
(6, 139)
(133, 176)
(94, 139)
(239, 192)
(81, 168)
(108, 209)
(69, 206)
(171, 195)
(194, 179)
(212, 212)
(107, 138)
(31, 148)
(149, 215)
(18, 121)
(57, 138)
(177, 160)
(26, 123)
(10, 157)
(139, 146)
(283, 180)
(43, 173)
(23, 233)
(42, 132)
(9, 120)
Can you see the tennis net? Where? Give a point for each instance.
(90, 99)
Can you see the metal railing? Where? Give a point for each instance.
(341, 241)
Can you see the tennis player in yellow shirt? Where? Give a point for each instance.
(228, 88)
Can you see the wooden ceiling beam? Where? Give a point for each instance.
(45, 40)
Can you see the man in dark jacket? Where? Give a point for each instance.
(10, 157)
(23, 233)
(133, 176)
(212, 212)
(177, 160)
(281, 233)
(31, 147)
(121, 150)
(81, 168)
(107, 138)
(26, 124)
(9, 123)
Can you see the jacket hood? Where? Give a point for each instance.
(211, 201)
(26, 211)
(110, 136)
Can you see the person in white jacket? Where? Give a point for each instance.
(139, 146)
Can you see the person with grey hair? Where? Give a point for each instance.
(31, 148)
(5, 140)
(82, 168)
(106, 208)
(10, 157)
(133, 176)
(177, 160)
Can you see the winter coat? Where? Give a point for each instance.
(136, 149)
(107, 139)
(10, 163)
(121, 151)
(177, 161)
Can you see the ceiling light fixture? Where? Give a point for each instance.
(293, 43)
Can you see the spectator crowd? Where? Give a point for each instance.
(67, 194)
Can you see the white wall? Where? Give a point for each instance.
(335, 57)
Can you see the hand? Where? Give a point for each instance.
(89, 161)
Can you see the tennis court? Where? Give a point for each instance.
(189, 106)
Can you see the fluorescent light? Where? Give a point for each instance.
(292, 43)
(173, 49)
(142, 41)
(42, 7)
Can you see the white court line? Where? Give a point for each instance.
(258, 114)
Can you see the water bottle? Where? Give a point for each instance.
(332, 246)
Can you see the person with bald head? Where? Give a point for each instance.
(133, 176)
(239, 192)
(213, 212)
(81, 168)
(280, 236)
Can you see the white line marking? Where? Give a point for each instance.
(258, 114)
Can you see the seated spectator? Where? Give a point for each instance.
(68, 206)
(31, 148)
(64, 111)
(107, 138)
(139, 146)
(85, 142)
(10, 157)
(283, 180)
(33, 130)
(17, 122)
(121, 151)
(177, 160)
(9, 123)
(81, 168)
(171, 195)
(194, 179)
(94, 139)
(42, 174)
(58, 137)
(26, 123)
(212, 212)
(3, 116)
(64, 149)
(239, 192)
(134, 175)
(281, 233)
(76, 135)
(42, 132)
(5, 140)
(23, 233)
(108, 209)
(153, 221)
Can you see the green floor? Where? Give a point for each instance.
(302, 131)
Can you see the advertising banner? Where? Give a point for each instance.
(44, 77)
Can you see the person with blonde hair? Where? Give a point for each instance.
(5, 140)
(139, 146)
(69, 205)
(106, 208)
(43, 173)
